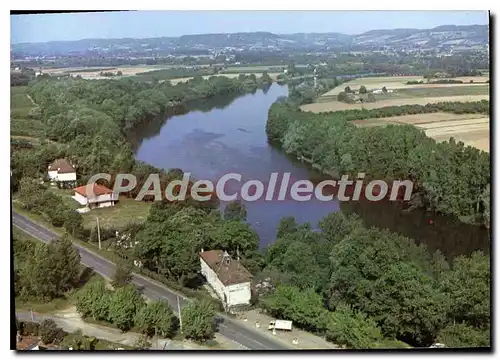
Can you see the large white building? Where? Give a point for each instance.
(229, 279)
(100, 196)
(60, 170)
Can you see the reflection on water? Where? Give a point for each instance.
(227, 134)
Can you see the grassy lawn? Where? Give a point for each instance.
(125, 211)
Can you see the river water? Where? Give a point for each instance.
(227, 135)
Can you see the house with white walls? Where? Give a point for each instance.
(95, 196)
(61, 171)
(230, 280)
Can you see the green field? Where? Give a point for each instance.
(458, 90)
(415, 92)
(20, 108)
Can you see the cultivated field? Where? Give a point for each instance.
(471, 129)
(399, 82)
(339, 106)
(93, 72)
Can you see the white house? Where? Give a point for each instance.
(100, 196)
(229, 279)
(61, 170)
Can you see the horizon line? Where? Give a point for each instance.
(233, 33)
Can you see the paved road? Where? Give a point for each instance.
(227, 327)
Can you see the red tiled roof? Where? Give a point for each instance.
(231, 274)
(61, 166)
(97, 189)
(27, 342)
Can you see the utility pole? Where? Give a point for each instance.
(98, 232)
(179, 310)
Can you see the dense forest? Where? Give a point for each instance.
(448, 177)
(86, 121)
(360, 285)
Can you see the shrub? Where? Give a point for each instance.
(463, 335)
(49, 331)
(198, 320)
(28, 328)
(341, 96)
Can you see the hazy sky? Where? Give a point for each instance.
(142, 24)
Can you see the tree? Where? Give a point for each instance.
(347, 89)
(198, 320)
(48, 331)
(352, 328)
(93, 301)
(234, 236)
(304, 307)
(384, 90)
(84, 343)
(125, 302)
(119, 73)
(66, 262)
(156, 318)
(287, 255)
(362, 89)
(337, 225)
(37, 275)
(236, 211)
(342, 96)
(73, 222)
(287, 225)
(366, 275)
(467, 286)
(30, 194)
(123, 275)
(463, 335)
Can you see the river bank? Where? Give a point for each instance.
(229, 137)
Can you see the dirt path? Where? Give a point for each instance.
(71, 321)
(31, 99)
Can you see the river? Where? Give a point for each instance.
(227, 135)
